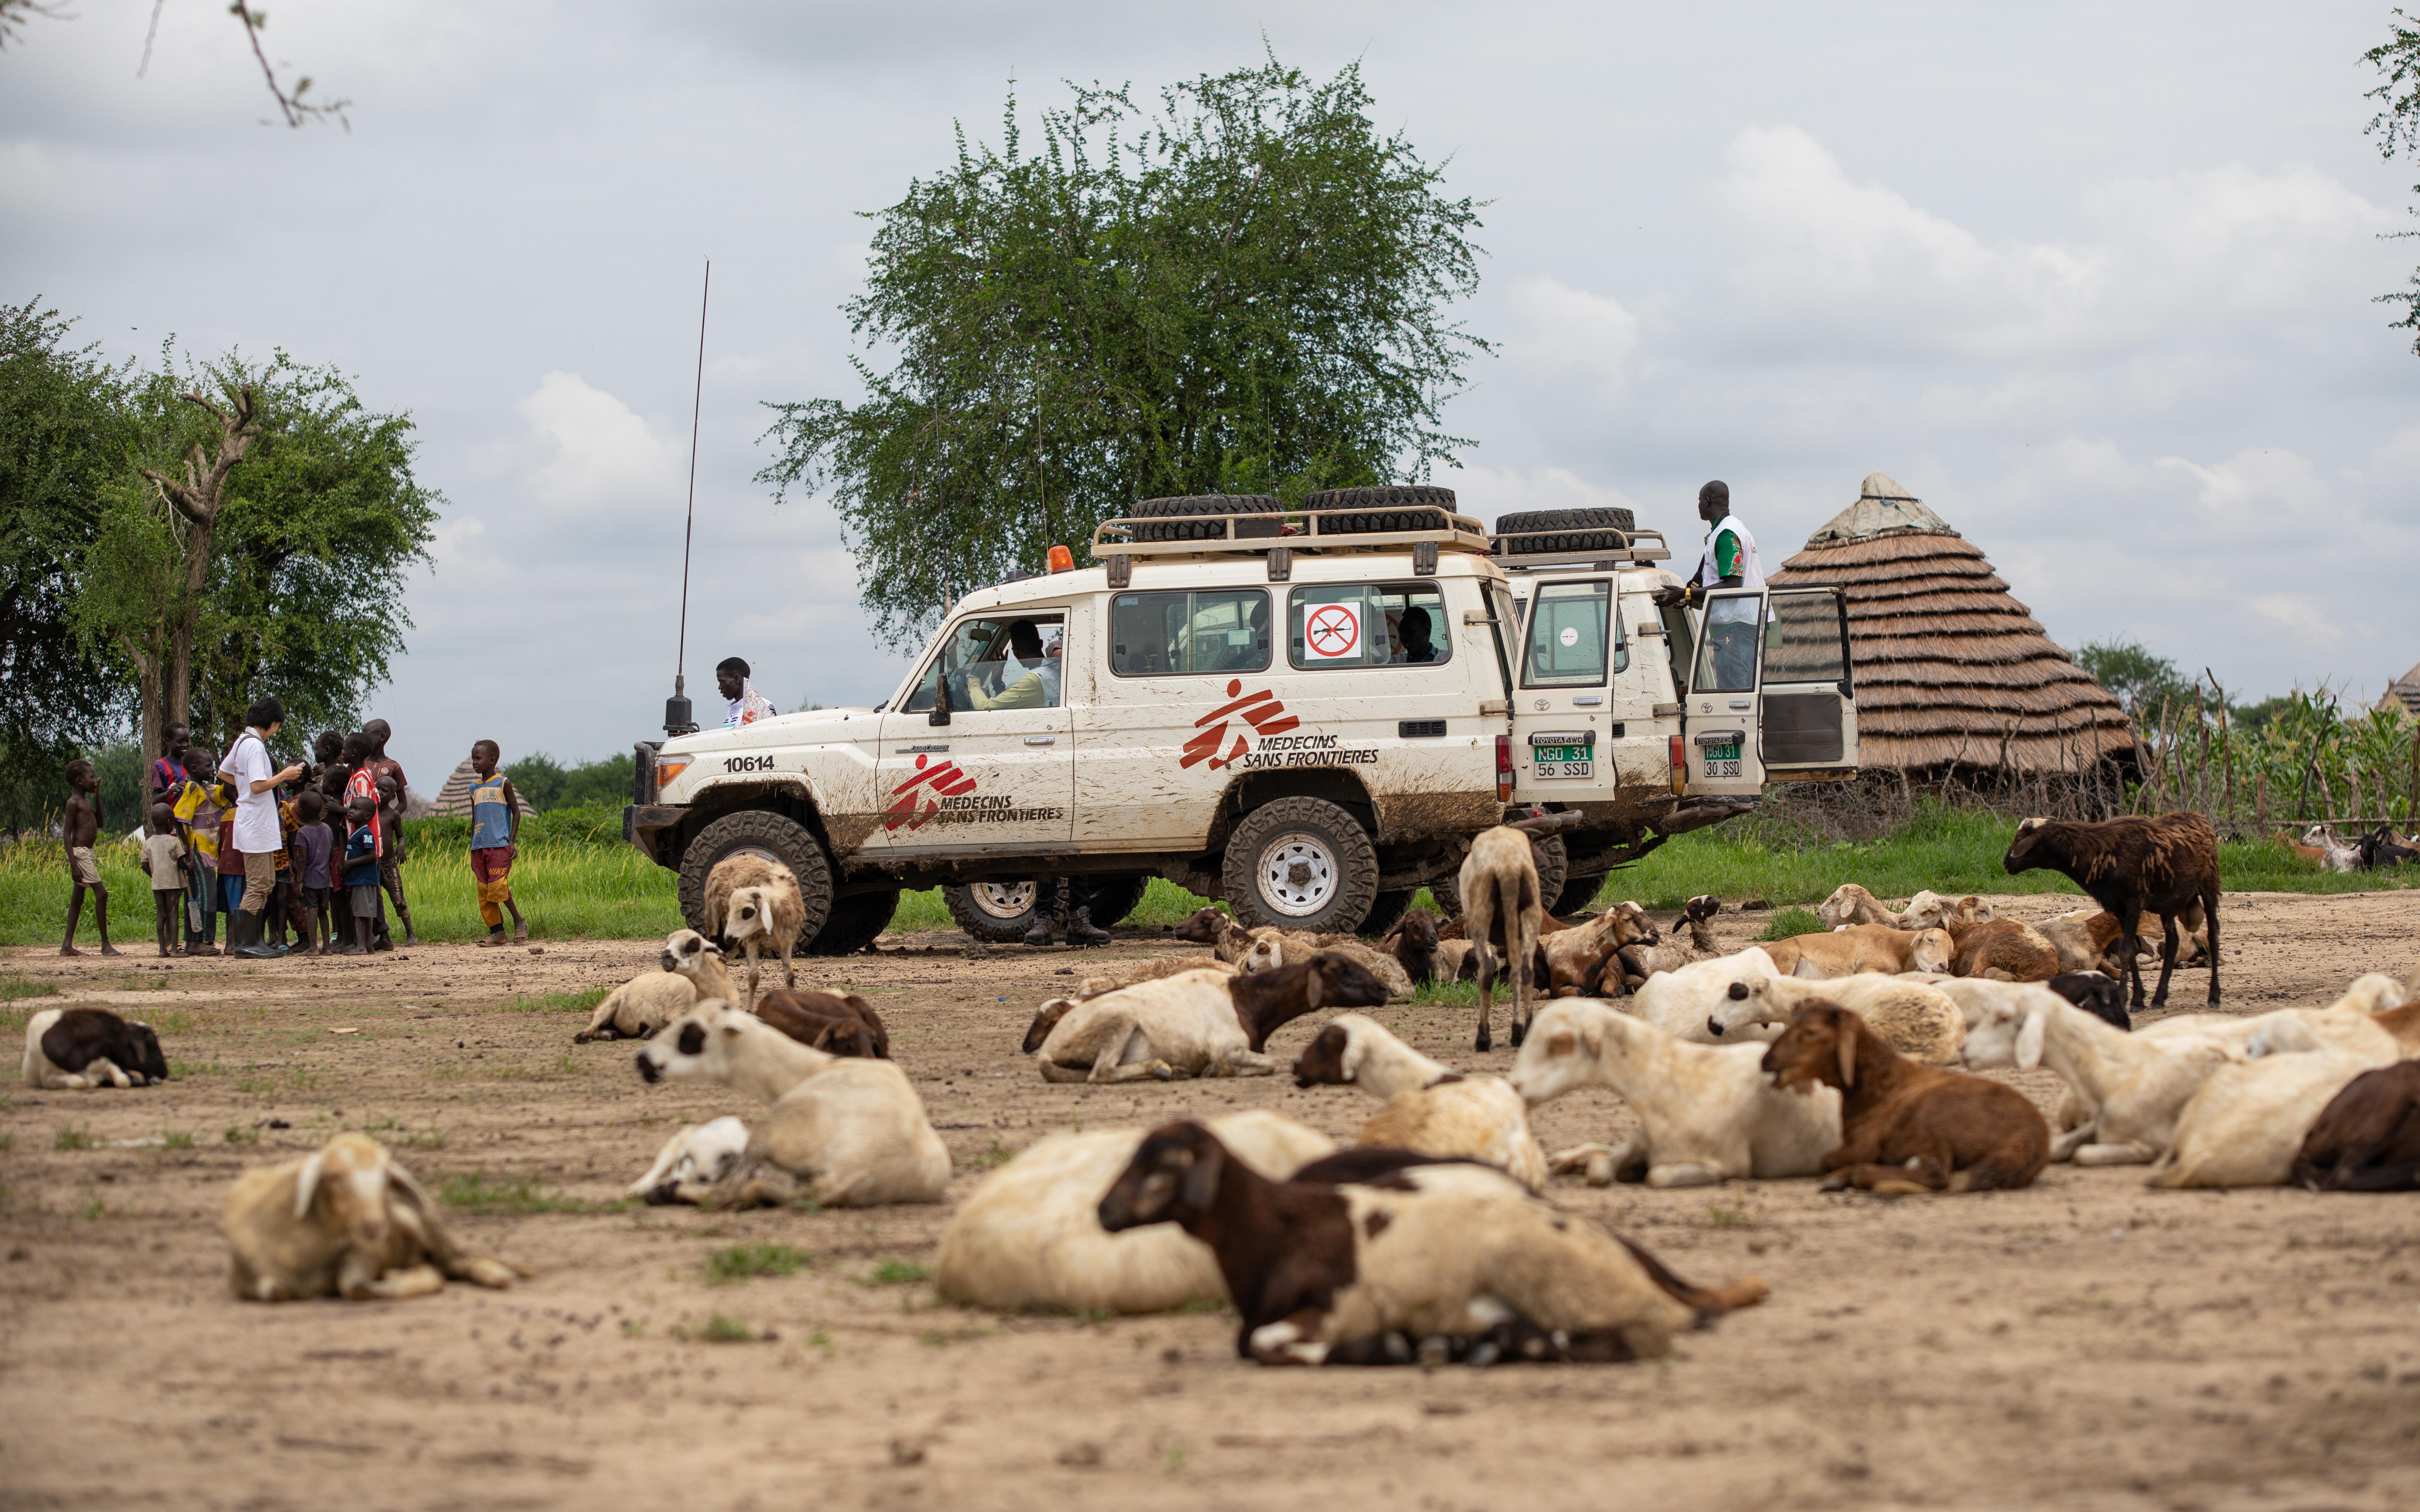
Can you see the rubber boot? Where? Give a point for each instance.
(252, 948)
(1080, 931)
(1040, 933)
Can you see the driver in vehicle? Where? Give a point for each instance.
(1026, 677)
(1413, 636)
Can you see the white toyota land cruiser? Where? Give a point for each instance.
(1306, 712)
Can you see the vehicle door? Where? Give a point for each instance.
(997, 773)
(1173, 670)
(1572, 646)
(1806, 707)
(1721, 705)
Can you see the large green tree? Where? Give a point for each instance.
(62, 438)
(1245, 290)
(260, 545)
(2396, 127)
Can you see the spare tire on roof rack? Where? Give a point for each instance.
(1538, 531)
(1414, 507)
(1206, 503)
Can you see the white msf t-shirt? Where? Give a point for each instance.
(256, 831)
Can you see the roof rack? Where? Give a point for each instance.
(1299, 530)
(1629, 554)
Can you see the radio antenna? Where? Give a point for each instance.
(677, 720)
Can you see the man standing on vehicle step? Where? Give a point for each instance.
(1731, 560)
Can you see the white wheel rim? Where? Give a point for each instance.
(1002, 900)
(1298, 875)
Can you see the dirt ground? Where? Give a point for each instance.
(2086, 1343)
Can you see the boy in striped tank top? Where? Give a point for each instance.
(495, 830)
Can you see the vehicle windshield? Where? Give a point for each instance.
(995, 662)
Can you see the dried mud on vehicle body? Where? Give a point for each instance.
(2085, 1342)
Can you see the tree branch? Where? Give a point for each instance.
(296, 110)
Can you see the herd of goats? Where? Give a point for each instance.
(1845, 1055)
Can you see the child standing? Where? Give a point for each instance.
(198, 809)
(79, 830)
(495, 837)
(315, 847)
(164, 854)
(361, 873)
(391, 852)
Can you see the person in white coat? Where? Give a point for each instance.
(1730, 561)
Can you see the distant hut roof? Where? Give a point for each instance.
(1950, 669)
(2404, 694)
(455, 796)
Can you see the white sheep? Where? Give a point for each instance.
(1029, 1234)
(2130, 1089)
(79, 1048)
(1138, 973)
(345, 1221)
(1681, 1001)
(2245, 1126)
(1706, 1113)
(1851, 904)
(845, 1130)
(2352, 1024)
(1430, 1108)
(1194, 1023)
(1853, 948)
(692, 1162)
(768, 916)
(647, 1002)
(1917, 1020)
(691, 955)
(2333, 854)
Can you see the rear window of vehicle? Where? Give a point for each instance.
(1171, 635)
(1367, 625)
(1570, 626)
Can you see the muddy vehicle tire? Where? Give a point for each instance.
(785, 840)
(1579, 892)
(997, 913)
(1300, 863)
(855, 923)
(1553, 862)
(1205, 504)
(1115, 897)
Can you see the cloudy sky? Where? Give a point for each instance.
(2094, 281)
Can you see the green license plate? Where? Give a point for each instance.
(1562, 753)
(1722, 753)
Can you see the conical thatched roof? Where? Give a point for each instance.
(455, 796)
(1951, 670)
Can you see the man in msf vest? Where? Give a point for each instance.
(1730, 561)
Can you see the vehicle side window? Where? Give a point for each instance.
(1727, 663)
(1681, 642)
(1165, 635)
(995, 662)
(1802, 641)
(1367, 625)
(1569, 627)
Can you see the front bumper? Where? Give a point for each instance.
(643, 824)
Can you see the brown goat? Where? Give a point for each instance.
(1906, 1126)
(2002, 950)
(1413, 942)
(2131, 866)
(2367, 1138)
(833, 1022)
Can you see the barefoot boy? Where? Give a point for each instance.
(80, 828)
(495, 834)
(163, 853)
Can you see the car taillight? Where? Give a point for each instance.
(668, 769)
(1504, 769)
(1680, 767)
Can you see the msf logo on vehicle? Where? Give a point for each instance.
(1263, 710)
(917, 801)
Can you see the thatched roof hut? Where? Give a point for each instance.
(455, 796)
(1951, 672)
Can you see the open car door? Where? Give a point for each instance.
(1720, 712)
(1808, 706)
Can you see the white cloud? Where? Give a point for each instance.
(2301, 614)
(595, 457)
(1565, 335)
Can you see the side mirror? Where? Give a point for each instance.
(940, 714)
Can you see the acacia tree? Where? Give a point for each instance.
(270, 556)
(2397, 126)
(1245, 292)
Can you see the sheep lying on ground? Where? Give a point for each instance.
(1413, 942)
(1195, 1023)
(2001, 950)
(837, 1024)
(347, 1220)
(1257, 950)
(692, 1162)
(2367, 1138)
(1852, 904)
(1583, 960)
(1136, 972)
(1373, 1273)
(2369, 1020)
(1685, 944)
(1029, 1234)
(1430, 1108)
(847, 1132)
(2098, 995)
(1501, 911)
(2129, 1088)
(2247, 1124)
(1916, 1019)
(1682, 1000)
(1904, 1127)
(2381, 847)
(1706, 1113)
(76, 1050)
(647, 1002)
(2082, 938)
(2131, 866)
(1862, 947)
(2333, 853)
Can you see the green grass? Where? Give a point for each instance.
(478, 1192)
(741, 1261)
(899, 1273)
(13, 987)
(584, 1001)
(1789, 922)
(69, 1138)
(725, 1329)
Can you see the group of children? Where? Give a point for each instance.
(341, 856)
